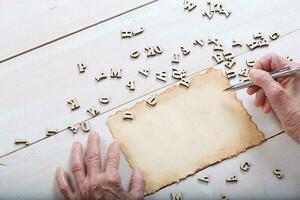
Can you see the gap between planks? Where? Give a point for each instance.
(77, 31)
(148, 93)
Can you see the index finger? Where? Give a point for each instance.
(64, 185)
(271, 62)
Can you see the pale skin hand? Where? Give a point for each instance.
(282, 96)
(96, 181)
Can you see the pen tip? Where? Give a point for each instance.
(226, 89)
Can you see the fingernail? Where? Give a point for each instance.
(58, 169)
(93, 132)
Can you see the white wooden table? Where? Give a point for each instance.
(36, 85)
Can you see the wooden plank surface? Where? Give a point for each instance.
(44, 80)
(37, 85)
(29, 24)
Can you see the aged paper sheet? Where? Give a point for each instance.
(188, 129)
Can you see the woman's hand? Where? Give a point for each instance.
(283, 95)
(96, 181)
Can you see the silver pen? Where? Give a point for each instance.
(275, 74)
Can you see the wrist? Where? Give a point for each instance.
(293, 129)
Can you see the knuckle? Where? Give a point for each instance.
(93, 183)
(139, 187)
(76, 167)
(112, 158)
(113, 182)
(63, 189)
(83, 191)
(277, 92)
(93, 186)
(93, 157)
(139, 182)
(261, 76)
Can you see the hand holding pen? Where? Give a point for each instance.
(281, 95)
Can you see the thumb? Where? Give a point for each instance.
(273, 90)
(137, 184)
